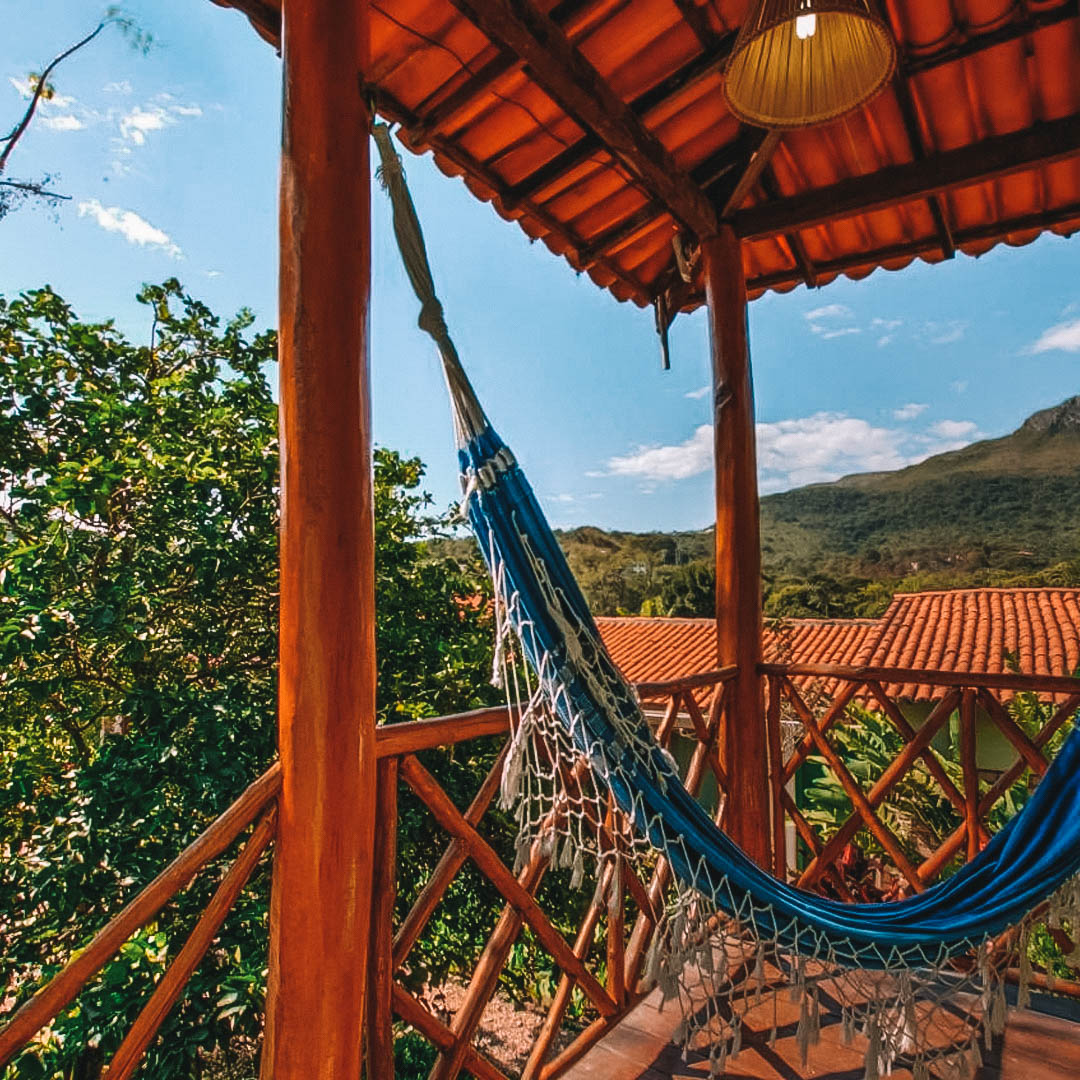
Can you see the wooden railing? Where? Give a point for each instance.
(623, 908)
(620, 895)
(257, 802)
(621, 915)
(820, 698)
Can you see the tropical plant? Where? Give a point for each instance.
(138, 607)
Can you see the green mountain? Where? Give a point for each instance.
(1008, 504)
(1000, 512)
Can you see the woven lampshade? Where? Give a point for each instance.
(802, 62)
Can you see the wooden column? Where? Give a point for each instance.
(321, 900)
(738, 547)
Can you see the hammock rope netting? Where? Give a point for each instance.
(923, 979)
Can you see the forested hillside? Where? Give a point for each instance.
(999, 512)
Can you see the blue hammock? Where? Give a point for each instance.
(1036, 854)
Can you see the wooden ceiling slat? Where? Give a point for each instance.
(579, 152)
(1026, 23)
(579, 89)
(990, 159)
(918, 149)
(479, 83)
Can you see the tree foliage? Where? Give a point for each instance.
(138, 609)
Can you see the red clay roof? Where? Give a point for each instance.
(974, 629)
(961, 630)
(660, 650)
(968, 72)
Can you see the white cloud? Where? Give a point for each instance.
(910, 411)
(213, 273)
(803, 450)
(677, 462)
(123, 86)
(134, 229)
(700, 392)
(1064, 337)
(186, 110)
(561, 498)
(945, 333)
(823, 321)
(960, 386)
(954, 430)
(886, 329)
(135, 125)
(824, 446)
(64, 122)
(830, 311)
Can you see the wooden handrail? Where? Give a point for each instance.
(63, 987)
(689, 682)
(999, 680)
(411, 736)
(130, 1054)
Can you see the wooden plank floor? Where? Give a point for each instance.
(1036, 1046)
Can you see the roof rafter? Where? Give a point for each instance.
(990, 159)
(579, 89)
(1048, 219)
(396, 112)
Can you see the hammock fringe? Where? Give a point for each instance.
(920, 979)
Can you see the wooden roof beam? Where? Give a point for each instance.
(996, 231)
(805, 264)
(990, 159)
(579, 89)
(479, 81)
(578, 153)
(393, 110)
(936, 203)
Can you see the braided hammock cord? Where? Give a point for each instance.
(921, 979)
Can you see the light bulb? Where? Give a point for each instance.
(805, 26)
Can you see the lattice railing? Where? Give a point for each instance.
(604, 960)
(819, 700)
(601, 965)
(258, 805)
(623, 909)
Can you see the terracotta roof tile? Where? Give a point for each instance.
(960, 630)
(972, 70)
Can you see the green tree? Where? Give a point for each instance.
(138, 607)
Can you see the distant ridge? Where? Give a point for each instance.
(1007, 503)
(1002, 511)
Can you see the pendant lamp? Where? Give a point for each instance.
(797, 63)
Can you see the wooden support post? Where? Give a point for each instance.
(738, 547)
(969, 761)
(380, 1018)
(321, 899)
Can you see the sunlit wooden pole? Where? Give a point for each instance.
(738, 547)
(321, 900)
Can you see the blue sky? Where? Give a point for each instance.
(171, 163)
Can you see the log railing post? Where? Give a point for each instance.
(969, 762)
(776, 778)
(321, 897)
(380, 1019)
(738, 547)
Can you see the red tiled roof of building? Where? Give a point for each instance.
(974, 630)
(960, 630)
(659, 650)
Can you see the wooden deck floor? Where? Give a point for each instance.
(1036, 1046)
